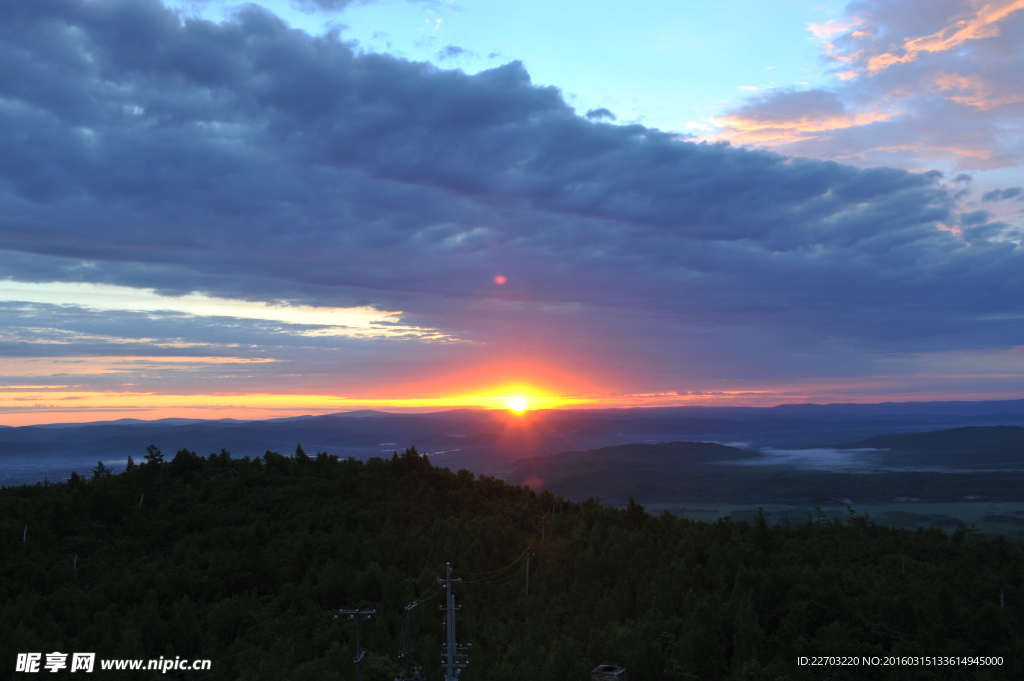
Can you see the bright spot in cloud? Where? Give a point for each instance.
(340, 321)
(500, 279)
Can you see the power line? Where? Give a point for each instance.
(532, 540)
(360, 651)
(494, 573)
(423, 599)
(497, 580)
(264, 649)
(455, 659)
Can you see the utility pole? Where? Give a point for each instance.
(542, 531)
(528, 575)
(454, 661)
(360, 653)
(412, 670)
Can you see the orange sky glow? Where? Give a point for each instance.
(29, 405)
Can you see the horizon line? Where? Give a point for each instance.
(402, 411)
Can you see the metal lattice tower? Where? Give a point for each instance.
(454, 660)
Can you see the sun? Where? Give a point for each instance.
(518, 404)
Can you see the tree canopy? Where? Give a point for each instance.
(246, 561)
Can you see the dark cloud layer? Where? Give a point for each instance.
(247, 159)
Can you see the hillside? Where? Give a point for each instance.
(665, 456)
(776, 485)
(245, 562)
(969, 447)
(943, 466)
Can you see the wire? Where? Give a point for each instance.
(493, 572)
(286, 638)
(486, 578)
(484, 582)
(423, 599)
(264, 649)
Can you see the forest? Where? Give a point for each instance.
(247, 561)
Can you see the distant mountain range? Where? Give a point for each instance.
(486, 441)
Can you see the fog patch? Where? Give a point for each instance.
(737, 445)
(862, 460)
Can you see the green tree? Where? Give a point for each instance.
(100, 472)
(154, 457)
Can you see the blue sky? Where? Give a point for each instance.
(669, 65)
(234, 211)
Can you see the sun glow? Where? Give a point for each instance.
(518, 404)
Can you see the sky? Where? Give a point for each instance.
(215, 210)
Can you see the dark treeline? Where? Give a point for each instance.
(245, 561)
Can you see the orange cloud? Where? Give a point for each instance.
(833, 27)
(971, 91)
(915, 118)
(982, 24)
(740, 128)
(982, 158)
(827, 30)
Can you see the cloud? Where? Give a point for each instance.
(249, 162)
(1002, 194)
(920, 84)
(354, 321)
(321, 5)
(312, 6)
(451, 52)
(598, 114)
(788, 115)
(980, 24)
